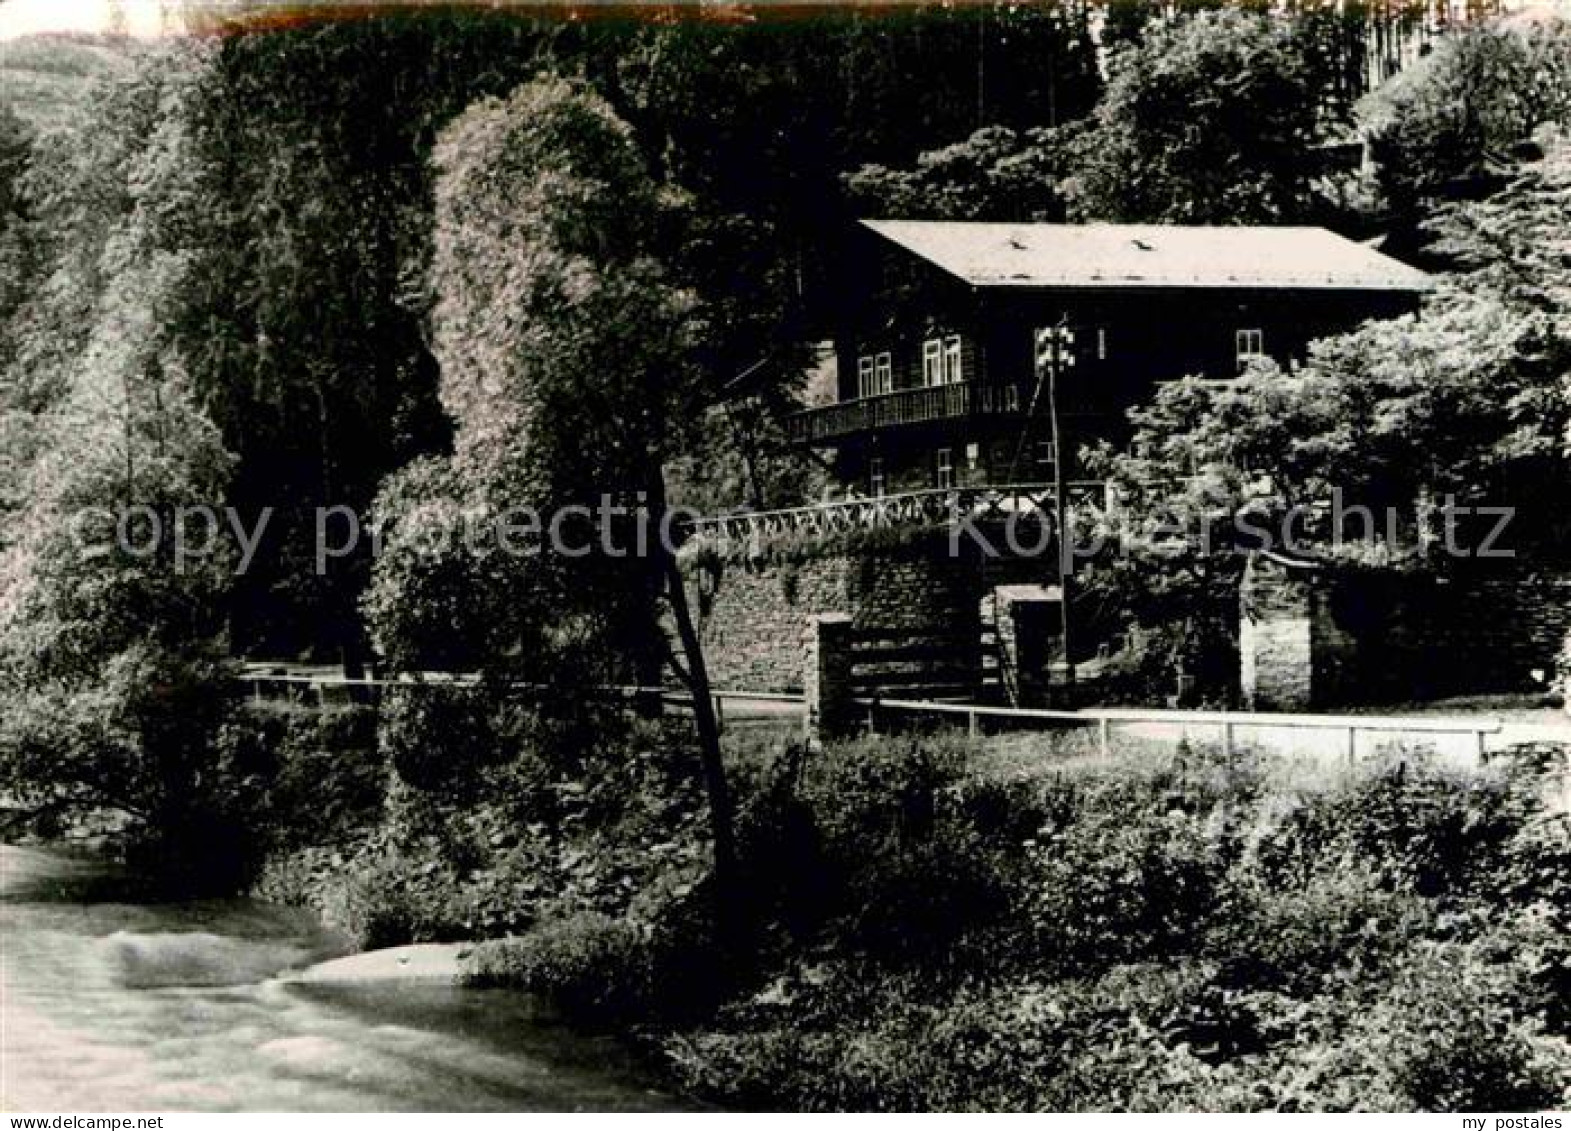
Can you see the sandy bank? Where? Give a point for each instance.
(426, 963)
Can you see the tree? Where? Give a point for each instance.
(20, 268)
(567, 352)
(1449, 125)
(113, 664)
(1210, 118)
(1460, 405)
(308, 344)
(995, 174)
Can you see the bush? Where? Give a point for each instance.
(1341, 929)
(1122, 873)
(1187, 933)
(324, 778)
(894, 855)
(1420, 828)
(593, 967)
(437, 737)
(389, 899)
(1452, 1036)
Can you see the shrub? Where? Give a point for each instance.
(437, 736)
(325, 777)
(897, 858)
(1420, 828)
(390, 899)
(1340, 929)
(1452, 1036)
(1143, 1037)
(593, 967)
(1123, 874)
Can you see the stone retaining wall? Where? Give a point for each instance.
(1312, 638)
(753, 613)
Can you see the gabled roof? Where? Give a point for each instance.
(1149, 255)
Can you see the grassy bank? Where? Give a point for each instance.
(1023, 925)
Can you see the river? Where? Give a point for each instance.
(110, 1001)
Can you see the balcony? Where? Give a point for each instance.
(955, 401)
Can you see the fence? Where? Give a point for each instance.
(1227, 723)
(744, 706)
(897, 662)
(259, 678)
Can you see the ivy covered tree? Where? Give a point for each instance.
(567, 355)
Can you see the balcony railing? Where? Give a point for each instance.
(753, 533)
(906, 406)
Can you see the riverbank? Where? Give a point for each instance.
(112, 1002)
(1020, 926)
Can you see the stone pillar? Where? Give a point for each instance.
(1275, 637)
(1028, 640)
(826, 677)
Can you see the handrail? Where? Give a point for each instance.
(1415, 723)
(1229, 721)
(251, 675)
(858, 500)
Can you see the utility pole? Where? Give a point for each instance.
(1054, 355)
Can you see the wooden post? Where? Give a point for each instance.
(1227, 739)
(1352, 745)
(719, 714)
(971, 724)
(1483, 748)
(1105, 736)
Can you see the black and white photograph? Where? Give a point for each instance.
(693, 557)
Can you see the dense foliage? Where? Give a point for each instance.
(1454, 121)
(551, 315)
(1150, 935)
(1016, 925)
(114, 666)
(1206, 120)
(457, 264)
(1461, 405)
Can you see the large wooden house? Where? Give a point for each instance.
(950, 337)
(949, 331)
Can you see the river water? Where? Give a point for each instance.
(111, 1002)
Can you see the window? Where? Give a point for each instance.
(952, 367)
(875, 477)
(875, 373)
(932, 362)
(944, 467)
(973, 456)
(1248, 344)
(941, 361)
(1101, 343)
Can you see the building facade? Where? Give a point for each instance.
(955, 342)
(949, 332)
